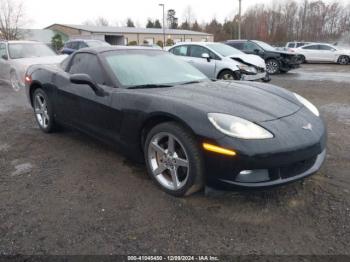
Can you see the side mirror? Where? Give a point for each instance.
(5, 57)
(206, 56)
(257, 51)
(85, 79)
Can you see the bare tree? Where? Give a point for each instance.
(12, 18)
(188, 15)
(99, 21)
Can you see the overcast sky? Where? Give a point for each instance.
(43, 13)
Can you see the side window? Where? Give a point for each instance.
(325, 47)
(198, 51)
(82, 45)
(68, 45)
(239, 46)
(74, 45)
(291, 45)
(3, 50)
(84, 63)
(180, 50)
(249, 46)
(311, 47)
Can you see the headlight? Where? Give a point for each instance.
(237, 127)
(307, 104)
(247, 68)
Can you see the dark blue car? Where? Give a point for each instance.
(74, 45)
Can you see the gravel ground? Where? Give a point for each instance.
(68, 194)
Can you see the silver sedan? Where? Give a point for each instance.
(17, 56)
(220, 61)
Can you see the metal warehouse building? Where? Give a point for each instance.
(125, 35)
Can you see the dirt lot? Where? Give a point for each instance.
(68, 194)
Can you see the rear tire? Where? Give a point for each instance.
(43, 111)
(174, 160)
(272, 66)
(343, 60)
(302, 59)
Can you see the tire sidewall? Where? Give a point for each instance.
(235, 75)
(278, 65)
(343, 56)
(50, 126)
(195, 164)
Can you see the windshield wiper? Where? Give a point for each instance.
(149, 86)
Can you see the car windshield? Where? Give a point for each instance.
(265, 46)
(150, 67)
(29, 50)
(224, 50)
(96, 43)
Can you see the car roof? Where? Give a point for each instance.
(310, 44)
(83, 40)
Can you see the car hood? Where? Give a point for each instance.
(283, 52)
(252, 101)
(47, 60)
(250, 59)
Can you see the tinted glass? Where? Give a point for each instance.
(180, 50)
(250, 46)
(301, 44)
(29, 50)
(325, 47)
(311, 47)
(74, 45)
(82, 45)
(265, 46)
(198, 51)
(291, 45)
(239, 46)
(141, 67)
(84, 63)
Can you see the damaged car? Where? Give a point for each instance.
(276, 61)
(219, 61)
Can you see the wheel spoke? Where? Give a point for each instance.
(161, 168)
(40, 102)
(171, 145)
(174, 178)
(180, 162)
(157, 148)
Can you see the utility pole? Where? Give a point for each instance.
(163, 24)
(239, 19)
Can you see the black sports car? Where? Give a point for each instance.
(276, 61)
(189, 130)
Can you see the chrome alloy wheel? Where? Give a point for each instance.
(343, 60)
(272, 66)
(41, 113)
(168, 161)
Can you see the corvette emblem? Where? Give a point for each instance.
(308, 127)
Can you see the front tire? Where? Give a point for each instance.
(343, 60)
(272, 66)
(229, 75)
(43, 111)
(174, 160)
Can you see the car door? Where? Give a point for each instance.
(206, 66)
(4, 63)
(311, 53)
(97, 117)
(326, 53)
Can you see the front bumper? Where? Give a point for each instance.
(294, 153)
(251, 77)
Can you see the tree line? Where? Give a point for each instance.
(284, 20)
